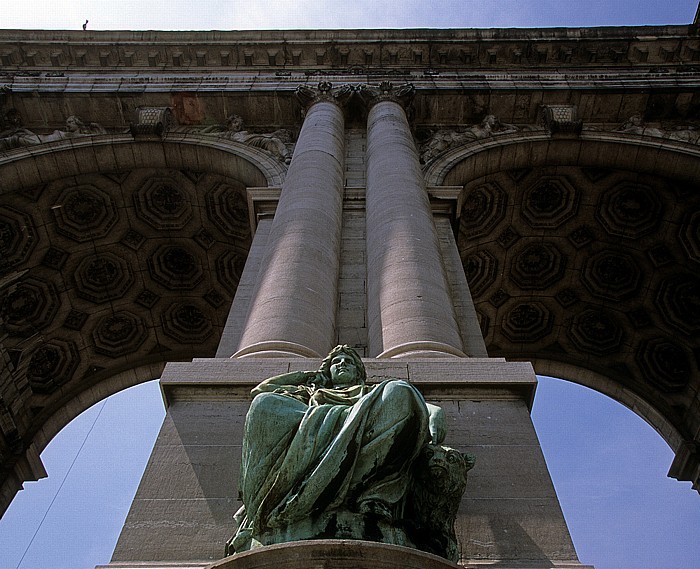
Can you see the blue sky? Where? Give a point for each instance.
(608, 466)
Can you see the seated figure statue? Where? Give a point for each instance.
(327, 456)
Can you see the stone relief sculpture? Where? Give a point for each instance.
(444, 139)
(14, 135)
(635, 125)
(327, 456)
(278, 143)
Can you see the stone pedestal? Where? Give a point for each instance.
(509, 516)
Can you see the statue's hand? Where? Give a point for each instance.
(437, 424)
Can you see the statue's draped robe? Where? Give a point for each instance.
(308, 452)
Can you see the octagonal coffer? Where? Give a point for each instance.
(30, 307)
(103, 277)
(549, 202)
(629, 210)
(84, 213)
(162, 199)
(17, 237)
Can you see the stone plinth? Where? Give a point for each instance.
(509, 515)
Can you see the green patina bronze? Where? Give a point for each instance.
(327, 456)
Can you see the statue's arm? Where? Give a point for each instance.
(285, 382)
(437, 424)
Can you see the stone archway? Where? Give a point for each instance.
(117, 257)
(582, 257)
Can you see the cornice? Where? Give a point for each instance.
(323, 50)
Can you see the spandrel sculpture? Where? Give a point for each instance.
(327, 456)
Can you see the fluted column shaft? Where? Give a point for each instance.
(409, 310)
(293, 309)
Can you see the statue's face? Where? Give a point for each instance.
(344, 372)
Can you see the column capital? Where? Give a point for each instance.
(386, 91)
(325, 91)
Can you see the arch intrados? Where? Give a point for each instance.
(643, 154)
(91, 395)
(36, 165)
(612, 389)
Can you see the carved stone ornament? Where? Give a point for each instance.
(14, 135)
(561, 119)
(386, 91)
(313, 470)
(443, 140)
(152, 122)
(278, 143)
(325, 91)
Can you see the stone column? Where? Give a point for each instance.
(292, 311)
(409, 309)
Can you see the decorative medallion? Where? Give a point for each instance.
(163, 201)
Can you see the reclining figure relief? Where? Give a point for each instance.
(327, 456)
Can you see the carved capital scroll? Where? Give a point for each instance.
(325, 91)
(386, 91)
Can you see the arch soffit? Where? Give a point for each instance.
(612, 389)
(605, 150)
(642, 154)
(32, 166)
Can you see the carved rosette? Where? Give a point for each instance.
(31, 306)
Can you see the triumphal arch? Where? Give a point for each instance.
(462, 208)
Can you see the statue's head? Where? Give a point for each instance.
(235, 123)
(74, 124)
(343, 367)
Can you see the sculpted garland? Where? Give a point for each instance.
(327, 456)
